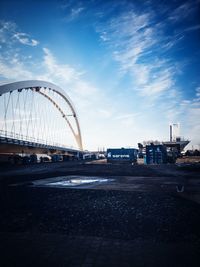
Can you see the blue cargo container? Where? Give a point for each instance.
(122, 155)
(56, 158)
(156, 154)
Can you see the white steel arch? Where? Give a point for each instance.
(37, 85)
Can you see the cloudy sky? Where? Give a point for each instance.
(130, 67)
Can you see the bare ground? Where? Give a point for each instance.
(138, 219)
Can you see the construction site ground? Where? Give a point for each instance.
(143, 215)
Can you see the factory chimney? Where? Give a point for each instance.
(174, 132)
(170, 133)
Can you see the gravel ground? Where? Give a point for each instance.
(152, 216)
(45, 170)
(151, 225)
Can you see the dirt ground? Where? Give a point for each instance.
(188, 159)
(140, 217)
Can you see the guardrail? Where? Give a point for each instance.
(19, 139)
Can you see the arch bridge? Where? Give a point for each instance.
(37, 117)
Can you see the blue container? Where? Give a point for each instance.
(156, 154)
(145, 159)
(56, 158)
(122, 155)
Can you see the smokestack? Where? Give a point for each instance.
(170, 133)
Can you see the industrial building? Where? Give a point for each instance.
(164, 152)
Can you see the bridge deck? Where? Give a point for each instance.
(31, 144)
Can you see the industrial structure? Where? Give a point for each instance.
(155, 152)
(175, 143)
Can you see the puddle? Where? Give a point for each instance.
(75, 182)
(71, 181)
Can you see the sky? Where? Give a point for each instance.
(130, 67)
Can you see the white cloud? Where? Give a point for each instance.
(84, 88)
(6, 30)
(54, 70)
(130, 36)
(158, 85)
(50, 69)
(15, 71)
(67, 77)
(141, 46)
(105, 113)
(135, 39)
(198, 91)
(183, 11)
(141, 73)
(172, 41)
(23, 38)
(190, 110)
(192, 28)
(9, 34)
(75, 12)
(127, 116)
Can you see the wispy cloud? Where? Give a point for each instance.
(73, 10)
(65, 75)
(105, 113)
(24, 38)
(183, 11)
(198, 92)
(54, 69)
(127, 116)
(190, 110)
(15, 71)
(13, 67)
(129, 37)
(7, 28)
(192, 28)
(10, 34)
(144, 50)
(161, 83)
(134, 39)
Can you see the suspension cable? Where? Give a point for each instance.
(13, 118)
(30, 115)
(5, 115)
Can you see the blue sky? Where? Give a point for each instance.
(130, 67)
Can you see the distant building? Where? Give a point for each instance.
(175, 142)
(174, 146)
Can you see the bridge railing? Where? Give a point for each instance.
(24, 138)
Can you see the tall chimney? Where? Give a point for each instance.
(170, 133)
